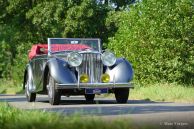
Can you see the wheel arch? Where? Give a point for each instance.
(60, 71)
(122, 71)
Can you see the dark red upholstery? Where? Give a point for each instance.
(35, 50)
(70, 47)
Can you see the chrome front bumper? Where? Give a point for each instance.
(94, 85)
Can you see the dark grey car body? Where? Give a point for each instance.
(66, 78)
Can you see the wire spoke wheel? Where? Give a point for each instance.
(53, 94)
(31, 97)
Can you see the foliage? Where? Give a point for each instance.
(11, 118)
(117, 4)
(30, 22)
(48, 17)
(6, 54)
(157, 37)
(81, 20)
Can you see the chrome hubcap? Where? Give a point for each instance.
(27, 88)
(49, 88)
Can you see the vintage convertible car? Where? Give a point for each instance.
(74, 66)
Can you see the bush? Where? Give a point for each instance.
(20, 62)
(157, 37)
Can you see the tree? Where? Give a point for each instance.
(158, 37)
(118, 4)
(86, 20)
(25, 22)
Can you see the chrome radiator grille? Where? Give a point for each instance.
(92, 66)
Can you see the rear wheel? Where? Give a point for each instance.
(121, 95)
(89, 97)
(54, 94)
(31, 97)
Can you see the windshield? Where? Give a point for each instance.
(73, 44)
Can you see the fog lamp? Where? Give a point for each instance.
(105, 78)
(84, 78)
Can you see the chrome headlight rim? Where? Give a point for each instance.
(108, 58)
(74, 59)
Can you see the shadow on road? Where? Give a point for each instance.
(112, 108)
(98, 101)
(120, 110)
(101, 106)
(70, 100)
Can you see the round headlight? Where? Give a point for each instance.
(108, 58)
(74, 59)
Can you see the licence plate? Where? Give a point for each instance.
(96, 90)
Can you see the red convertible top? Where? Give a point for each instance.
(35, 50)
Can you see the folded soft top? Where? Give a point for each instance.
(36, 49)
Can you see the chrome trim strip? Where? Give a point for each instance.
(89, 52)
(92, 66)
(94, 85)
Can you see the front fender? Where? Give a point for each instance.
(60, 71)
(120, 72)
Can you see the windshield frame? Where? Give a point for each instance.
(49, 43)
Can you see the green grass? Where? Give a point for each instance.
(164, 92)
(10, 87)
(12, 118)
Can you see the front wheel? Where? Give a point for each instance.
(53, 94)
(121, 95)
(31, 97)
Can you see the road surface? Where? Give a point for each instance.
(140, 112)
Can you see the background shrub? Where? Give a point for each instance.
(158, 38)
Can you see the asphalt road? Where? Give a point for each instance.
(140, 112)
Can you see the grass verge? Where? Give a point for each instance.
(12, 118)
(164, 92)
(10, 87)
